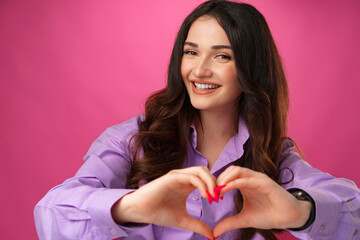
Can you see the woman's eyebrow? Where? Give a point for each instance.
(195, 45)
(191, 44)
(220, 47)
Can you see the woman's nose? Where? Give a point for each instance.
(202, 69)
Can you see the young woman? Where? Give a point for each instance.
(210, 157)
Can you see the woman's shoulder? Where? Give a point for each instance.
(118, 136)
(289, 156)
(130, 126)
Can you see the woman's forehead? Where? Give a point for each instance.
(207, 29)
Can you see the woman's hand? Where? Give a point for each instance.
(163, 201)
(266, 205)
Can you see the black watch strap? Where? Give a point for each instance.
(304, 196)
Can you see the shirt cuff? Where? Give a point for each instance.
(327, 215)
(100, 211)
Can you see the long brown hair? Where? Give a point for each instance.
(161, 143)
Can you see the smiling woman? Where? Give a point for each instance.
(216, 133)
(208, 68)
(209, 73)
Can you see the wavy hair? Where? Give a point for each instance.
(161, 143)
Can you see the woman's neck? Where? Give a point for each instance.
(214, 132)
(217, 126)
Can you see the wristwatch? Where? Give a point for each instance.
(304, 196)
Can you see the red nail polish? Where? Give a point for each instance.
(210, 198)
(217, 191)
(216, 196)
(215, 238)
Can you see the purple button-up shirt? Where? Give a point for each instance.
(80, 208)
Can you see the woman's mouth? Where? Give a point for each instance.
(205, 86)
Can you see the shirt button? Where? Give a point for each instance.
(322, 228)
(195, 198)
(113, 231)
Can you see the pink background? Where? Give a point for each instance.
(69, 69)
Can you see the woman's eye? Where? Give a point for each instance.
(190, 52)
(223, 57)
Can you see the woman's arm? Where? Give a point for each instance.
(267, 205)
(95, 204)
(337, 200)
(80, 208)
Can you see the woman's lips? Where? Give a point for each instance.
(203, 88)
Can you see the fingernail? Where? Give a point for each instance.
(217, 191)
(210, 198)
(221, 197)
(215, 238)
(216, 196)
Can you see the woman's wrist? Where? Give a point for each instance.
(122, 210)
(307, 206)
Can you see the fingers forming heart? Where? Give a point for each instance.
(217, 191)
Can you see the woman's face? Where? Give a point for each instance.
(208, 67)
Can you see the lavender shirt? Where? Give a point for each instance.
(80, 207)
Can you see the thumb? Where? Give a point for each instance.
(230, 223)
(197, 226)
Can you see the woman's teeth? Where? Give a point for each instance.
(203, 86)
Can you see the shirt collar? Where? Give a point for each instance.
(234, 148)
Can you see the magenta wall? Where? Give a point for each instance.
(69, 69)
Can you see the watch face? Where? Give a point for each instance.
(301, 195)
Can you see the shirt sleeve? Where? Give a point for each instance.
(337, 200)
(80, 208)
